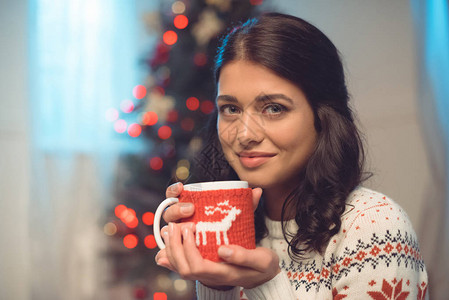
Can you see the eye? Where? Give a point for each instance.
(229, 109)
(274, 109)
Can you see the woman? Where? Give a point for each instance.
(284, 125)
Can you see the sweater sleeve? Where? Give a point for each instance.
(277, 288)
(377, 255)
(205, 293)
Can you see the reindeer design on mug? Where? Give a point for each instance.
(218, 227)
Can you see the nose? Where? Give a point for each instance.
(250, 130)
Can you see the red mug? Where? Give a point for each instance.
(223, 215)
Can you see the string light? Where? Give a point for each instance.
(187, 124)
(164, 132)
(110, 229)
(148, 218)
(120, 126)
(134, 130)
(127, 106)
(139, 91)
(149, 118)
(182, 173)
(181, 21)
(119, 210)
(207, 106)
(159, 296)
(150, 241)
(183, 163)
(180, 285)
(192, 103)
(156, 163)
(170, 37)
(111, 114)
(200, 59)
(172, 116)
(130, 241)
(178, 7)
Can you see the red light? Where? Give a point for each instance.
(156, 163)
(159, 90)
(164, 132)
(120, 126)
(130, 241)
(139, 91)
(159, 296)
(187, 124)
(256, 2)
(119, 209)
(149, 118)
(200, 59)
(150, 241)
(207, 106)
(148, 218)
(170, 37)
(172, 116)
(181, 21)
(192, 103)
(134, 130)
(127, 106)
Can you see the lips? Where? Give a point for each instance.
(254, 159)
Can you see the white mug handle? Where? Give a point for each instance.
(157, 220)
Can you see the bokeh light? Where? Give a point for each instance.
(156, 163)
(178, 7)
(172, 116)
(139, 91)
(149, 118)
(207, 106)
(256, 2)
(150, 241)
(159, 90)
(181, 21)
(170, 37)
(182, 173)
(130, 241)
(127, 106)
(120, 126)
(184, 163)
(200, 59)
(192, 103)
(159, 296)
(110, 228)
(148, 218)
(180, 285)
(134, 130)
(119, 210)
(111, 114)
(187, 124)
(164, 132)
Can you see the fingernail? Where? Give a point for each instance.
(174, 187)
(171, 228)
(225, 252)
(186, 208)
(185, 233)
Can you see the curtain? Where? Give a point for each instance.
(431, 23)
(83, 61)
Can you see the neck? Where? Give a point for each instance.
(274, 200)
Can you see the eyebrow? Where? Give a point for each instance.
(260, 98)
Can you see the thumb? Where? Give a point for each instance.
(257, 193)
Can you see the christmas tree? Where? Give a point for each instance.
(171, 107)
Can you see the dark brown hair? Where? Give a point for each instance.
(299, 52)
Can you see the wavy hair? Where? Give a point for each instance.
(299, 52)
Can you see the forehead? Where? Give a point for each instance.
(247, 80)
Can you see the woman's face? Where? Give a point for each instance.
(265, 125)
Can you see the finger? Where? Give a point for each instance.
(257, 193)
(174, 190)
(178, 211)
(260, 259)
(162, 260)
(178, 258)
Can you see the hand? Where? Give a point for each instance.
(243, 267)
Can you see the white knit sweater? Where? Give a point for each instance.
(375, 255)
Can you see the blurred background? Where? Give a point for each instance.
(102, 103)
